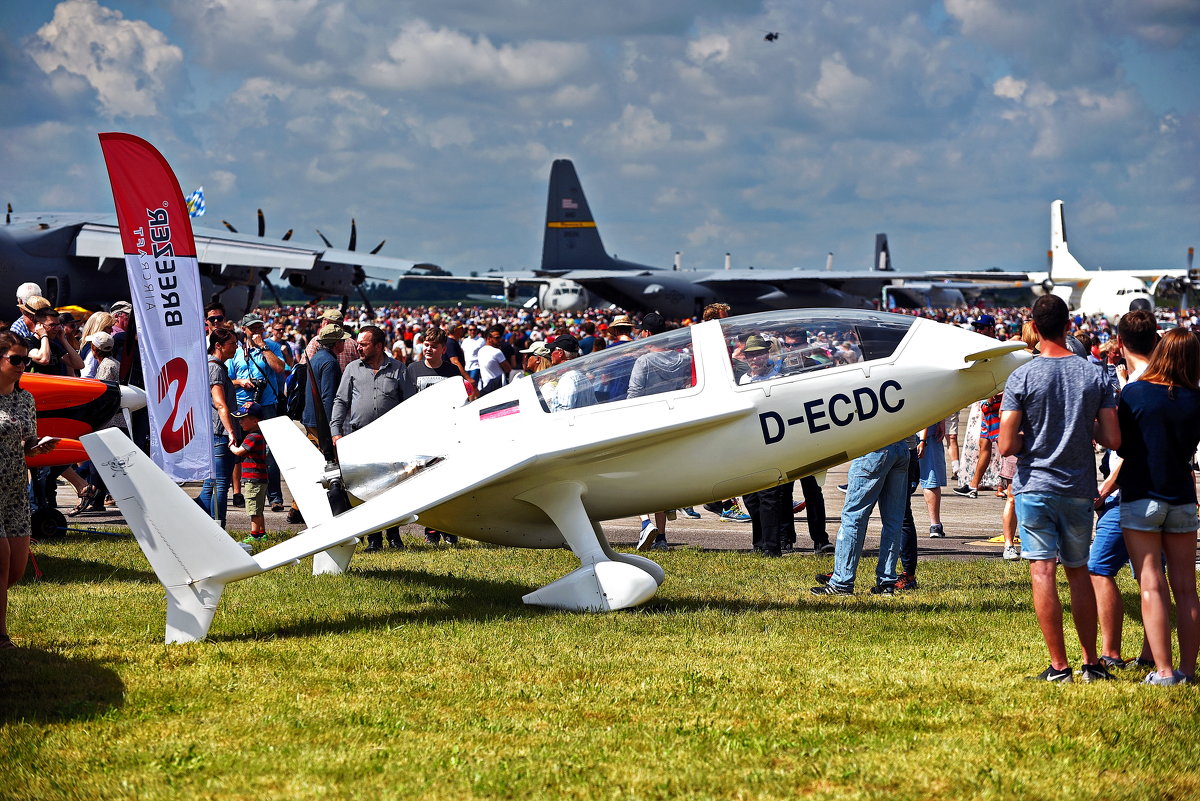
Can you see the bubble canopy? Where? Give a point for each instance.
(785, 343)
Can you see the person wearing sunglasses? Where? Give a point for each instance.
(214, 317)
(18, 439)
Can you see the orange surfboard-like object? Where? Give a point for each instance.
(68, 408)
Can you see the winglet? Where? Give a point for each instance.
(1001, 349)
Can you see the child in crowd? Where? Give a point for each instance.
(253, 450)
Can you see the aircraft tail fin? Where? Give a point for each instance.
(883, 256)
(192, 556)
(301, 465)
(571, 241)
(1062, 264)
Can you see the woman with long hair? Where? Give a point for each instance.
(18, 439)
(100, 321)
(1160, 428)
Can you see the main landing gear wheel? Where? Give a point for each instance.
(48, 524)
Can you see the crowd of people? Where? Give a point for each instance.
(1132, 393)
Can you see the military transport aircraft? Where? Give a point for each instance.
(576, 271)
(76, 258)
(1106, 292)
(539, 463)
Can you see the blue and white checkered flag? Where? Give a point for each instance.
(195, 203)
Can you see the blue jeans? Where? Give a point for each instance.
(214, 493)
(880, 476)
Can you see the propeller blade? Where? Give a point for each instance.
(362, 293)
(227, 225)
(328, 244)
(262, 223)
(378, 247)
(271, 286)
(353, 234)
(288, 235)
(8, 215)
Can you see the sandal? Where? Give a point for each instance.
(86, 496)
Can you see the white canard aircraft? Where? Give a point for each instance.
(662, 422)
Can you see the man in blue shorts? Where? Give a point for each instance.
(1053, 407)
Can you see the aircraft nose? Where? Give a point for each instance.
(132, 398)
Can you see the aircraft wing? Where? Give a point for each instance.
(464, 469)
(103, 240)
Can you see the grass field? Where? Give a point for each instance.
(421, 675)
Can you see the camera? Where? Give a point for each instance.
(260, 386)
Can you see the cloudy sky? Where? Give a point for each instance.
(950, 125)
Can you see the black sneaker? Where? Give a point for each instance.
(823, 578)
(936, 531)
(966, 491)
(824, 548)
(906, 581)
(883, 589)
(1052, 675)
(1115, 662)
(372, 548)
(829, 589)
(843, 487)
(1096, 672)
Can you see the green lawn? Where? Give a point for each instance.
(422, 675)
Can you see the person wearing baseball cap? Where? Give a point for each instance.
(257, 373)
(537, 357)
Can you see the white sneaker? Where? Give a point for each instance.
(1011, 554)
(649, 532)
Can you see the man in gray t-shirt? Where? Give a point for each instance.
(1054, 406)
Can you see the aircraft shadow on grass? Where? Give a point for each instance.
(69, 570)
(47, 687)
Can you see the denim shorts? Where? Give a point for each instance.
(1108, 554)
(1055, 526)
(1148, 514)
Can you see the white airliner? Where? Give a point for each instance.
(542, 461)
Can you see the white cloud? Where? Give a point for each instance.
(1009, 87)
(838, 88)
(638, 130)
(424, 57)
(713, 47)
(129, 64)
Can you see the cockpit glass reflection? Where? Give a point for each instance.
(777, 344)
(662, 363)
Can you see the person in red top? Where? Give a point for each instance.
(253, 450)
